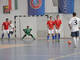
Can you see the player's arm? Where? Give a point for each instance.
(60, 22)
(13, 27)
(79, 23)
(70, 26)
(24, 30)
(30, 29)
(54, 22)
(2, 26)
(48, 24)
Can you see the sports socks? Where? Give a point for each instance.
(2, 35)
(53, 37)
(75, 41)
(48, 37)
(9, 36)
(58, 36)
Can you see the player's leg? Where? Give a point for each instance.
(75, 41)
(32, 36)
(23, 36)
(73, 34)
(11, 32)
(53, 36)
(48, 36)
(58, 36)
(3, 34)
(77, 37)
(7, 31)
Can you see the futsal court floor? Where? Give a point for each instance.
(38, 50)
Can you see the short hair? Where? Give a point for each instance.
(57, 15)
(27, 26)
(6, 18)
(74, 13)
(50, 16)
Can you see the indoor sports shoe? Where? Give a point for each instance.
(75, 46)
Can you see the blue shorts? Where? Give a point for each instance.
(75, 34)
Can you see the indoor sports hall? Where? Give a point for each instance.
(31, 37)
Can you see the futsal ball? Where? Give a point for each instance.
(69, 42)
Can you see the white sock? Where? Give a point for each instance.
(75, 41)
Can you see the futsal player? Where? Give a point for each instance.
(58, 23)
(5, 28)
(27, 31)
(50, 25)
(74, 27)
(11, 28)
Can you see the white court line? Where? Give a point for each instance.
(77, 53)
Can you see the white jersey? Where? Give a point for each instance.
(74, 23)
(11, 27)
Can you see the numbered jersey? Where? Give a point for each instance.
(74, 23)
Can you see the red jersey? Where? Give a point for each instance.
(58, 24)
(50, 24)
(6, 25)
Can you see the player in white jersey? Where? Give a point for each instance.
(11, 28)
(74, 27)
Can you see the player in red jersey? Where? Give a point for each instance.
(50, 24)
(5, 28)
(58, 23)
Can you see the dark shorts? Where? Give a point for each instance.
(10, 32)
(75, 34)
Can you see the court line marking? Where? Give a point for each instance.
(13, 45)
(77, 53)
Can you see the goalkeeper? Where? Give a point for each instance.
(28, 32)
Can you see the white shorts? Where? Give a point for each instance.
(11, 30)
(6, 31)
(57, 30)
(51, 31)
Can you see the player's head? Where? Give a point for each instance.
(10, 21)
(27, 26)
(57, 16)
(6, 19)
(50, 17)
(74, 14)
